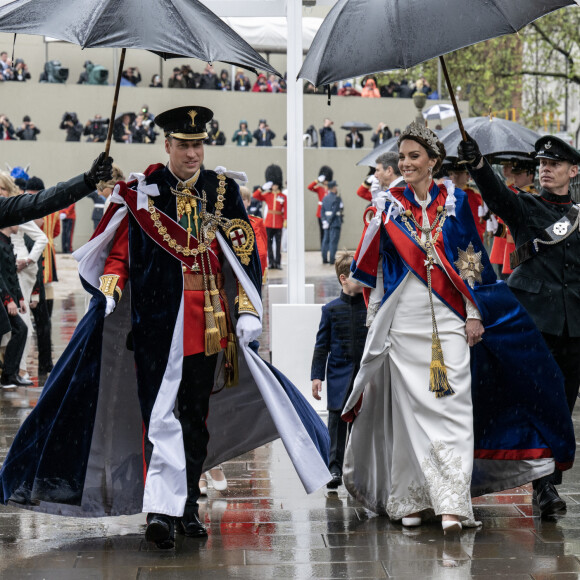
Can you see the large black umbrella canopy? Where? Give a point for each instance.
(404, 33)
(495, 137)
(169, 28)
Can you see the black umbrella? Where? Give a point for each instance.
(495, 137)
(358, 125)
(388, 145)
(169, 28)
(404, 33)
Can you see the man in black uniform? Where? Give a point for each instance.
(546, 262)
(24, 208)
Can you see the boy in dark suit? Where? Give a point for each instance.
(339, 347)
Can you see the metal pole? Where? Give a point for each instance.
(295, 156)
(439, 84)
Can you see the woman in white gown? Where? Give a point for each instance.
(411, 449)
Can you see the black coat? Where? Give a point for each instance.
(9, 285)
(547, 285)
(23, 208)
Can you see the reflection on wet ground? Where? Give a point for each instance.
(265, 526)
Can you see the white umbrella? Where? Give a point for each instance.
(439, 112)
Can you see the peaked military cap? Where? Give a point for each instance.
(188, 123)
(332, 184)
(550, 147)
(520, 165)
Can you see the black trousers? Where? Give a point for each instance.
(197, 382)
(337, 430)
(566, 351)
(43, 336)
(274, 234)
(321, 230)
(15, 346)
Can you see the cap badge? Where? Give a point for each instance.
(192, 114)
(548, 145)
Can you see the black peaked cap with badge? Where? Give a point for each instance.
(187, 123)
(550, 147)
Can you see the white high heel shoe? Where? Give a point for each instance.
(218, 484)
(203, 485)
(451, 526)
(411, 522)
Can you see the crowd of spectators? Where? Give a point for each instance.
(27, 131)
(370, 88)
(139, 127)
(184, 77)
(17, 71)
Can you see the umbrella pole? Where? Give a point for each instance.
(452, 96)
(115, 100)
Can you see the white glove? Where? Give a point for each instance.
(62, 215)
(249, 328)
(491, 225)
(322, 178)
(111, 304)
(268, 185)
(325, 225)
(375, 185)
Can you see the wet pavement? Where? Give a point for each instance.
(265, 526)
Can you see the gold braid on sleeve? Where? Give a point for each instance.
(109, 286)
(245, 305)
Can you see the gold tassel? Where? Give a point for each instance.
(438, 382)
(218, 314)
(231, 370)
(212, 334)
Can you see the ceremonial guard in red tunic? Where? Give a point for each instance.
(275, 220)
(320, 188)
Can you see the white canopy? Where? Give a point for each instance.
(271, 34)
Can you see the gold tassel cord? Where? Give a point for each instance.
(438, 381)
(212, 334)
(218, 313)
(231, 369)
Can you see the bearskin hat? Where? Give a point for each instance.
(274, 174)
(327, 172)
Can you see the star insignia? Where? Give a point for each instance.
(469, 265)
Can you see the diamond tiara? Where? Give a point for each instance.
(417, 130)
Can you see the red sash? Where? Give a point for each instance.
(173, 231)
(414, 255)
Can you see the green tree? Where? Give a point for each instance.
(497, 73)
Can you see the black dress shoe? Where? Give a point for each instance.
(190, 525)
(15, 380)
(335, 481)
(549, 502)
(161, 531)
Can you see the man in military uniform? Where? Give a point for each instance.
(24, 208)
(546, 262)
(275, 220)
(167, 247)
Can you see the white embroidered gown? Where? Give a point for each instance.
(408, 450)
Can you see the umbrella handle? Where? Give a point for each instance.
(452, 97)
(115, 100)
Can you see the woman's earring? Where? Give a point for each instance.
(430, 171)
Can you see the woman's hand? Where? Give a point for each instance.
(473, 331)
